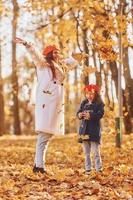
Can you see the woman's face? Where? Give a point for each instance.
(90, 95)
(55, 55)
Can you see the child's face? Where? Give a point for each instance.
(90, 95)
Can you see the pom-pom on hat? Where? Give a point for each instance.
(49, 49)
(91, 88)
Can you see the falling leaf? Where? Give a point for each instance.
(79, 56)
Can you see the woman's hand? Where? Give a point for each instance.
(20, 41)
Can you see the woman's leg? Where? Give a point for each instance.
(97, 156)
(41, 148)
(87, 150)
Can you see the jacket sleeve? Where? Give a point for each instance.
(70, 64)
(80, 110)
(36, 56)
(98, 114)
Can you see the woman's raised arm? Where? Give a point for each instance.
(36, 55)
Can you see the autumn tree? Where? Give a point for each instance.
(90, 29)
(2, 113)
(17, 128)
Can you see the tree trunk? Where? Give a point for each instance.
(16, 125)
(98, 74)
(112, 102)
(2, 113)
(67, 106)
(106, 87)
(76, 98)
(128, 93)
(126, 116)
(114, 71)
(86, 50)
(132, 15)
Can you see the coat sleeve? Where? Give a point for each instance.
(36, 56)
(98, 114)
(80, 109)
(69, 64)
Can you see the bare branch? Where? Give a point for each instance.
(58, 17)
(77, 28)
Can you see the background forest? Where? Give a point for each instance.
(88, 29)
(99, 34)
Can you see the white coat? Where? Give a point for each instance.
(49, 103)
(49, 106)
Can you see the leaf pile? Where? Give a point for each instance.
(65, 166)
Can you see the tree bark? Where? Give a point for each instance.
(114, 72)
(98, 74)
(2, 113)
(67, 106)
(16, 125)
(128, 93)
(86, 50)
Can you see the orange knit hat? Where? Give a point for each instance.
(92, 88)
(49, 49)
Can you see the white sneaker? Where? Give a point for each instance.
(88, 172)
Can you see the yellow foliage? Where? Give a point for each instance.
(121, 23)
(99, 6)
(125, 114)
(88, 70)
(1, 8)
(65, 26)
(79, 56)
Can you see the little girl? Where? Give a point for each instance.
(90, 112)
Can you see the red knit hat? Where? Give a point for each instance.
(92, 88)
(49, 49)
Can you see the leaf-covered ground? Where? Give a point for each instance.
(65, 166)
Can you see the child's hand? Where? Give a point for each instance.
(86, 115)
(80, 115)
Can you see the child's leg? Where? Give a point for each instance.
(87, 149)
(41, 148)
(97, 157)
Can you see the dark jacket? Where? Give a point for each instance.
(91, 127)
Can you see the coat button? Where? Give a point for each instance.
(54, 82)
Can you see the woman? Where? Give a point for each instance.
(49, 97)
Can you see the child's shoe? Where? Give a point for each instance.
(38, 169)
(100, 169)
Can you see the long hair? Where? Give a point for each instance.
(49, 58)
(98, 98)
